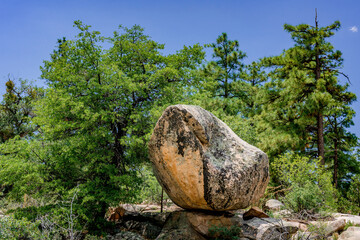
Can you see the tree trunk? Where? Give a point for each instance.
(118, 131)
(336, 159)
(162, 200)
(320, 118)
(336, 164)
(320, 138)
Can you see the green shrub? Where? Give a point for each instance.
(305, 197)
(223, 232)
(353, 194)
(151, 189)
(14, 229)
(309, 184)
(31, 213)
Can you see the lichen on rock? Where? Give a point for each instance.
(202, 164)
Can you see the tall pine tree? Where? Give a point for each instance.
(302, 88)
(224, 72)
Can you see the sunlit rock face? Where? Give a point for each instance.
(202, 164)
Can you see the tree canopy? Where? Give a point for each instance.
(86, 133)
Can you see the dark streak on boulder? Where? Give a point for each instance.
(202, 164)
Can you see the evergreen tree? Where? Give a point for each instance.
(224, 72)
(16, 110)
(254, 78)
(100, 108)
(339, 141)
(220, 89)
(302, 88)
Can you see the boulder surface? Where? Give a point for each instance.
(202, 164)
(352, 233)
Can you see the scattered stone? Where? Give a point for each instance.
(191, 147)
(178, 227)
(149, 225)
(197, 225)
(115, 213)
(268, 229)
(321, 229)
(200, 226)
(300, 225)
(126, 236)
(274, 205)
(348, 218)
(329, 227)
(300, 235)
(149, 207)
(131, 207)
(202, 222)
(352, 233)
(254, 212)
(334, 226)
(282, 214)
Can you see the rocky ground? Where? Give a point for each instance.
(140, 222)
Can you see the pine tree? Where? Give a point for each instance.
(224, 72)
(254, 78)
(302, 88)
(16, 110)
(340, 143)
(100, 109)
(223, 90)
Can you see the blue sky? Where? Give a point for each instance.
(29, 29)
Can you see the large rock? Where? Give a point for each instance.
(200, 226)
(148, 224)
(202, 164)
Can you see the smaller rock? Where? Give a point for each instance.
(130, 207)
(329, 227)
(303, 235)
(178, 227)
(300, 225)
(352, 233)
(274, 204)
(335, 226)
(348, 218)
(148, 225)
(254, 212)
(127, 236)
(202, 223)
(282, 214)
(115, 213)
(269, 229)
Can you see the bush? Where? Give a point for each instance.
(307, 197)
(13, 229)
(31, 213)
(151, 189)
(223, 232)
(309, 184)
(351, 204)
